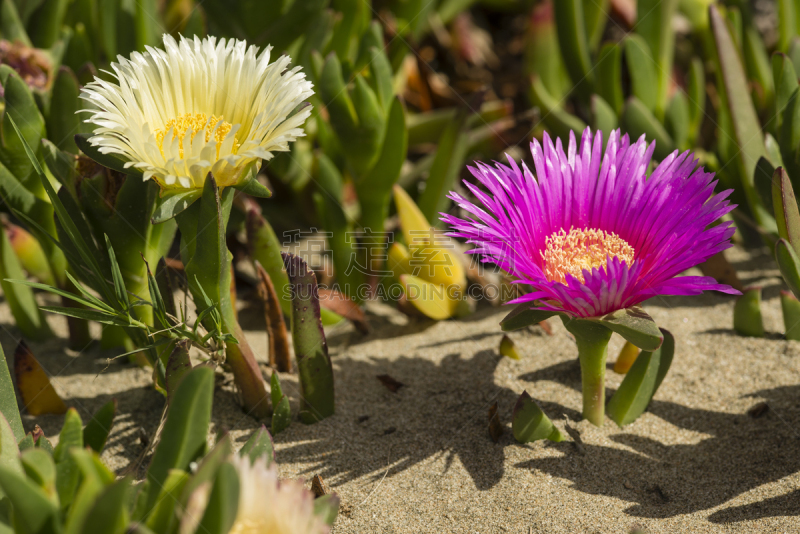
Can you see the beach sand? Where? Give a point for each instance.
(420, 460)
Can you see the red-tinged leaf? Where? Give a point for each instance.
(341, 305)
(280, 355)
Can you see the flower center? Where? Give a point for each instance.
(195, 122)
(571, 253)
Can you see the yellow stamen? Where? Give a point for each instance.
(571, 253)
(195, 122)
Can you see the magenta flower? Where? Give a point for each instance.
(593, 235)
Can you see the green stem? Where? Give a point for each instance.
(592, 340)
(214, 274)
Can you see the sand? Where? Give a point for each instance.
(421, 460)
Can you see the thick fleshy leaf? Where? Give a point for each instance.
(787, 23)
(747, 318)
(450, 154)
(635, 325)
(183, 438)
(676, 120)
(63, 120)
(523, 316)
(221, 508)
(654, 24)
(68, 472)
(265, 248)
(786, 211)
(33, 508)
(40, 468)
(603, 116)
(529, 423)
(171, 203)
(758, 66)
(327, 507)
(785, 81)
(763, 183)
(27, 315)
(109, 515)
(23, 113)
(259, 445)
(281, 412)
(8, 402)
(574, 43)
(556, 118)
(96, 432)
(696, 93)
(642, 71)
(374, 191)
(736, 97)
(165, 510)
(9, 450)
(208, 469)
(609, 85)
(637, 120)
(251, 186)
(791, 315)
(641, 383)
(178, 366)
(789, 265)
(310, 347)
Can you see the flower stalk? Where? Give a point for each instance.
(592, 340)
(208, 270)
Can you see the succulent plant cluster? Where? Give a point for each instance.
(140, 143)
(189, 485)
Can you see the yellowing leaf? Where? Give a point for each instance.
(430, 299)
(507, 348)
(626, 358)
(34, 386)
(399, 257)
(433, 256)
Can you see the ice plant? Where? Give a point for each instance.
(198, 106)
(198, 117)
(595, 236)
(270, 505)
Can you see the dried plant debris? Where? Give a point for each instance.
(758, 410)
(340, 304)
(495, 426)
(319, 487)
(390, 383)
(280, 355)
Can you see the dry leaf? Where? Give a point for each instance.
(390, 383)
(280, 356)
(340, 304)
(35, 389)
(319, 487)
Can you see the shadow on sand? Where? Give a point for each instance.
(661, 480)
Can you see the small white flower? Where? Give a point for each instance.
(198, 106)
(268, 505)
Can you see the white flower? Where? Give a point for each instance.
(200, 106)
(268, 505)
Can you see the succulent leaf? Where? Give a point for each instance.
(747, 318)
(641, 382)
(529, 423)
